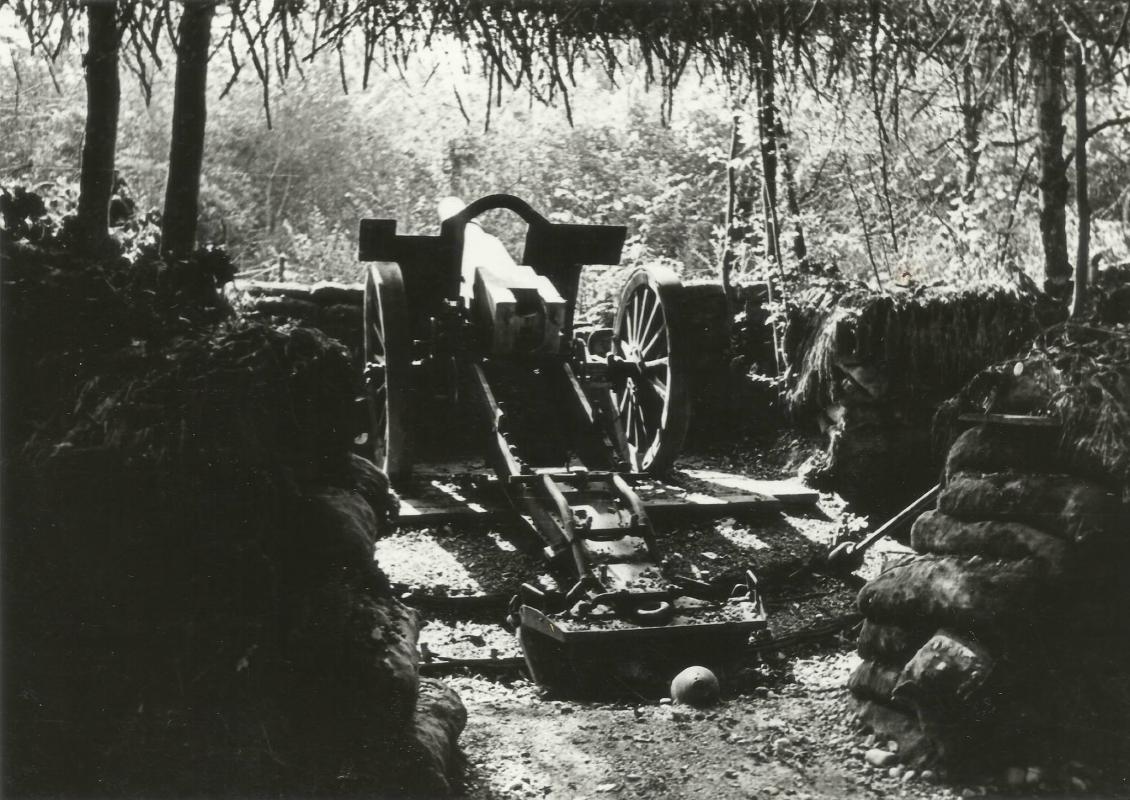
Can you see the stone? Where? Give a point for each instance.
(1034, 776)
(909, 775)
(882, 759)
(895, 771)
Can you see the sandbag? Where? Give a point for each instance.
(354, 656)
(1000, 448)
(874, 681)
(935, 532)
(370, 483)
(967, 593)
(890, 644)
(917, 747)
(432, 740)
(330, 293)
(291, 308)
(339, 529)
(946, 672)
(1066, 507)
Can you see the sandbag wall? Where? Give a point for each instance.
(1004, 642)
(333, 308)
(191, 603)
(870, 369)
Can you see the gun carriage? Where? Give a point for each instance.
(570, 421)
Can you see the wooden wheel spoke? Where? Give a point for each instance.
(659, 386)
(661, 332)
(656, 365)
(646, 327)
(634, 318)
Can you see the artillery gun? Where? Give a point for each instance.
(570, 421)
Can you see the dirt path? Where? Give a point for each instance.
(796, 741)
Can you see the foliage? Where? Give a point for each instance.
(882, 169)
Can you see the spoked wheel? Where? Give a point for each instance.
(653, 400)
(388, 358)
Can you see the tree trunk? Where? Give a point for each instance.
(186, 150)
(1047, 62)
(728, 244)
(1082, 202)
(800, 249)
(972, 111)
(103, 93)
(767, 126)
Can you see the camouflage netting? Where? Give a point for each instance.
(1006, 636)
(869, 369)
(192, 605)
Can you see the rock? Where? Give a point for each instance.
(935, 532)
(1034, 776)
(909, 775)
(928, 775)
(607, 787)
(1066, 507)
(895, 771)
(729, 774)
(882, 759)
(695, 686)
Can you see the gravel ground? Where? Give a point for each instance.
(791, 738)
(789, 733)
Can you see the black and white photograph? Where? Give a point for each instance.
(564, 399)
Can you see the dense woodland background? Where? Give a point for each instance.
(899, 170)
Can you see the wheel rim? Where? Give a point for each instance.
(386, 363)
(650, 402)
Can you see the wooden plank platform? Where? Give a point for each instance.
(448, 496)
